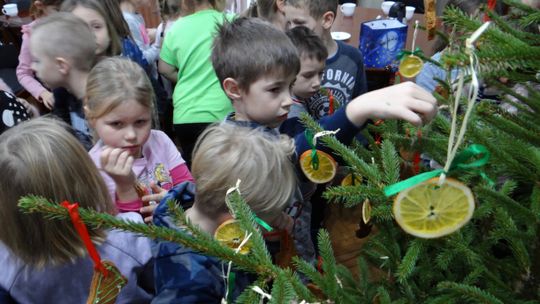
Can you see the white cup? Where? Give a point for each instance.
(409, 12)
(386, 5)
(347, 9)
(10, 9)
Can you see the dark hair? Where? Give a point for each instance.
(247, 48)
(308, 43)
(316, 8)
(112, 7)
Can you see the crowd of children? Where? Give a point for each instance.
(239, 83)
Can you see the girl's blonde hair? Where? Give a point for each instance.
(225, 153)
(115, 46)
(114, 81)
(41, 157)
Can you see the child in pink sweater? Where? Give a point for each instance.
(25, 74)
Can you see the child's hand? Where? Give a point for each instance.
(151, 32)
(148, 213)
(406, 101)
(157, 195)
(47, 98)
(283, 222)
(118, 164)
(30, 108)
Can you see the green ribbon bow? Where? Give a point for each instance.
(314, 156)
(459, 163)
(404, 53)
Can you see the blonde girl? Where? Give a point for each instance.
(44, 259)
(25, 74)
(136, 162)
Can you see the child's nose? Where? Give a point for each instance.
(130, 133)
(287, 101)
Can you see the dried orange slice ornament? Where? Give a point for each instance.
(410, 66)
(231, 235)
(321, 173)
(430, 210)
(318, 166)
(351, 179)
(366, 211)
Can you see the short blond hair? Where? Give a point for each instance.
(225, 153)
(64, 35)
(114, 81)
(41, 157)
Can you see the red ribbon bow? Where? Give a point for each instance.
(73, 210)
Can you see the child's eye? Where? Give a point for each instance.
(115, 124)
(274, 90)
(141, 122)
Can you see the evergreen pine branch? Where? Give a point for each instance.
(516, 130)
(531, 19)
(390, 162)
(328, 265)
(503, 24)
(309, 271)
(407, 265)
(363, 275)
(511, 233)
(246, 217)
(508, 187)
(471, 293)
(382, 213)
(535, 199)
(33, 204)
(353, 195)
(441, 299)
(444, 258)
(516, 4)
(508, 203)
(299, 287)
(474, 276)
(249, 296)
(282, 292)
(383, 296)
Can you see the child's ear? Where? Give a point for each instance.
(327, 20)
(63, 65)
(231, 88)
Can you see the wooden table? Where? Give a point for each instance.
(352, 25)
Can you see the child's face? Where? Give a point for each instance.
(97, 24)
(45, 67)
(127, 126)
(295, 16)
(267, 102)
(308, 80)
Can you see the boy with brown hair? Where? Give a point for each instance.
(344, 75)
(257, 64)
(63, 50)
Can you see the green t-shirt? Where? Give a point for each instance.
(197, 97)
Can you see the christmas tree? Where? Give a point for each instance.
(493, 258)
